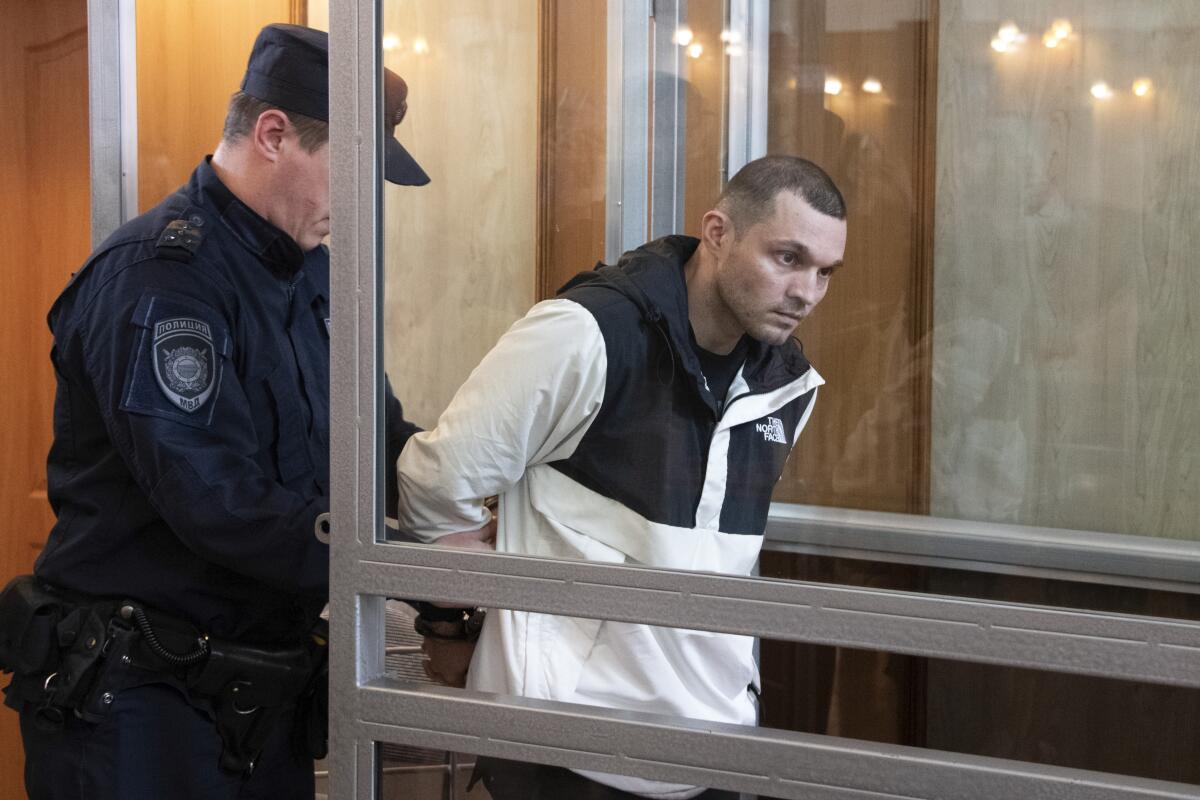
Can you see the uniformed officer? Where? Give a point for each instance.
(190, 463)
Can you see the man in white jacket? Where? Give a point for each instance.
(643, 416)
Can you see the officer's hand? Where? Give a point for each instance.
(447, 660)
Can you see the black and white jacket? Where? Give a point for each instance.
(593, 421)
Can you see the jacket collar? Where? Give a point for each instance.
(277, 250)
(652, 277)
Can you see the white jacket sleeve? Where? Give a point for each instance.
(529, 401)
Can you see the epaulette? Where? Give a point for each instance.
(181, 238)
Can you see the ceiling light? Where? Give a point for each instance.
(872, 86)
(833, 86)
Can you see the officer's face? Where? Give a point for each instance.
(304, 204)
(773, 275)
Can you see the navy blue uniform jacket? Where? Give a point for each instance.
(191, 423)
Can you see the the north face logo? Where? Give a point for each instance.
(772, 430)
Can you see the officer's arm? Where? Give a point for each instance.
(180, 418)
(529, 401)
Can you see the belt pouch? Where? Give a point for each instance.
(29, 617)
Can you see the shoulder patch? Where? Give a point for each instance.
(184, 361)
(180, 239)
(181, 349)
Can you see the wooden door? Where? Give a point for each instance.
(44, 207)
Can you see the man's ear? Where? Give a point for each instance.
(268, 133)
(716, 230)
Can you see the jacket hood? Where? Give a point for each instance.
(652, 277)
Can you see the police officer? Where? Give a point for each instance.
(190, 463)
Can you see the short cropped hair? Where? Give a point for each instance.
(749, 197)
(244, 111)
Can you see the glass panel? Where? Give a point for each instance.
(953, 357)
(459, 253)
(855, 87)
(1065, 305)
(848, 90)
(1018, 355)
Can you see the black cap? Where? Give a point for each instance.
(289, 68)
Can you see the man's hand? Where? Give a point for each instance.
(480, 539)
(447, 660)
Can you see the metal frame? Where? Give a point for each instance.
(773, 763)
(669, 102)
(112, 115)
(749, 20)
(1037, 637)
(367, 707)
(627, 142)
(356, 620)
(1054, 553)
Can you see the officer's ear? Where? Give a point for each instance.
(269, 130)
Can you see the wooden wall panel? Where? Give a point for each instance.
(191, 55)
(44, 209)
(460, 253)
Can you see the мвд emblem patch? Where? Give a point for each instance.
(184, 360)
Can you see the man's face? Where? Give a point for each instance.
(772, 275)
(303, 208)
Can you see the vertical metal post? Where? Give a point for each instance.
(749, 21)
(356, 621)
(669, 101)
(628, 142)
(112, 114)
(127, 14)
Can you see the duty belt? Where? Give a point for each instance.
(77, 654)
